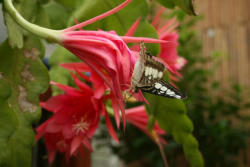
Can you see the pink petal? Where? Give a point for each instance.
(85, 88)
(180, 62)
(53, 103)
(143, 98)
(99, 91)
(67, 131)
(138, 117)
(167, 27)
(115, 107)
(135, 109)
(94, 124)
(67, 89)
(110, 128)
(139, 39)
(75, 144)
(41, 130)
(54, 128)
(133, 28)
(76, 66)
(87, 144)
(83, 76)
(52, 154)
(98, 56)
(173, 78)
(156, 19)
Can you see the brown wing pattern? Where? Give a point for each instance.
(154, 71)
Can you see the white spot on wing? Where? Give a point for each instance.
(170, 93)
(160, 74)
(155, 73)
(164, 88)
(146, 71)
(158, 86)
(150, 71)
(177, 97)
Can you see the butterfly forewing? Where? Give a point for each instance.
(153, 71)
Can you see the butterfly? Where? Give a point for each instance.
(147, 76)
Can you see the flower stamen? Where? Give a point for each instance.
(81, 126)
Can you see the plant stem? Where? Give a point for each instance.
(49, 34)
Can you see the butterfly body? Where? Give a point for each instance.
(137, 74)
(147, 76)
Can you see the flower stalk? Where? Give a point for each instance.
(49, 34)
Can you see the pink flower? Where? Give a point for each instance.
(75, 119)
(76, 115)
(99, 88)
(108, 56)
(138, 117)
(169, 53)
(97, 83)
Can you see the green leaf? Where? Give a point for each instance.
(167, 3)
(22, 7)
(42, 18)
(14, 32)
(42, 1)
(58, 15)
(69, 4)
(120, 22)
(23, 77)
(171, 116)
(185, 5)
(145, 29)
(57, 73)
(151, 122)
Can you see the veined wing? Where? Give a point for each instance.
(153, 71)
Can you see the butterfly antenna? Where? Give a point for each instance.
(142, 48)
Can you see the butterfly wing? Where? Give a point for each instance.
(150, 74)
(153, 72)
(163, 88)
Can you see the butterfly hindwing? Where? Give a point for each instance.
(163, 88)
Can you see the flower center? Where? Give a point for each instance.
(81, 126)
